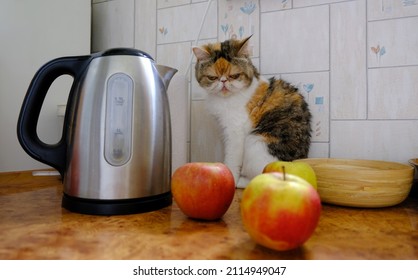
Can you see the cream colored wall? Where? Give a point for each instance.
(355, 61)
(31, 34)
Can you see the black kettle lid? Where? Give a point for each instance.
(125, 51)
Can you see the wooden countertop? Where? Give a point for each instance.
(34, 226)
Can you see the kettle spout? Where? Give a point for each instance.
(166, 73)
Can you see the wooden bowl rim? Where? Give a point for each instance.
(360, 165)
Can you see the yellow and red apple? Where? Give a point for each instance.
(301, 169)
(203, 190)
(280, 211)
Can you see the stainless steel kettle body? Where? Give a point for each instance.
(115, 152)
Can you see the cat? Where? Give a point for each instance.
(261, 120)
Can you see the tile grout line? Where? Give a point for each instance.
(329, 80)
(367, 60)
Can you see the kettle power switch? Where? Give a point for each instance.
(118, 128)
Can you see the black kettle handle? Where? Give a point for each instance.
(55, 154)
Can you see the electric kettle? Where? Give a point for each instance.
(114, 155)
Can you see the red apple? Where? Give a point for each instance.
(280, 211)
(203, 190)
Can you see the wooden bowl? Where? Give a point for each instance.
(361, 183)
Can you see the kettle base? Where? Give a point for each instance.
(116, 207)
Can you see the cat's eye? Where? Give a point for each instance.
(212, 78)
(234, 76)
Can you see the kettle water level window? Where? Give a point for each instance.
(118, 131)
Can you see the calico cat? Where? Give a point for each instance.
(262, 120)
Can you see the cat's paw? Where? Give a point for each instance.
(242, 182)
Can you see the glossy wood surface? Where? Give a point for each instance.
(34, 226)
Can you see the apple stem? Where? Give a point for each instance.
(284, 173)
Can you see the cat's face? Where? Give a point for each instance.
(224, 68)
(223, 78)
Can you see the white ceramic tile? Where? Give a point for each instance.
(315, 89)
(295, 40)
(171, 3)
(239, 19)
(198, 93)
(113, 24)
(319, 150)
(304, 3)
(182, 23)
(393, 93)
(378, 140)
(145, 26)
(274, 5)
(179, 109)
(393, 42)
(384, 9)
(206, 143)
(348, 60)
(174, 55)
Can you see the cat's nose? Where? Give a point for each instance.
(223, 80)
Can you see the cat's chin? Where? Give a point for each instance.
(224, 92)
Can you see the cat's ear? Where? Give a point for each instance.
(200, 53)
(244, 50)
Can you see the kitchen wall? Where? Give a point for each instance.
(356, 62)
(31, 34)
